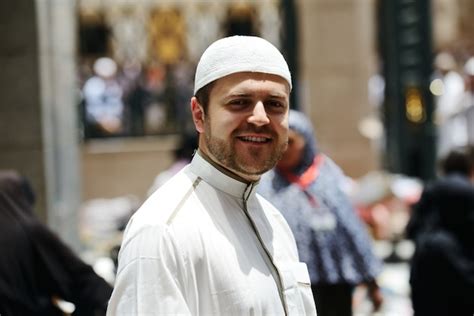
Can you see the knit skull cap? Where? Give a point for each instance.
(238, 53)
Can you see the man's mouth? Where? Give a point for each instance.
(255, 139)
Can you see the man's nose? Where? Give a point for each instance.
(259, 115)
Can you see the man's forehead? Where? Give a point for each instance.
(249, 81)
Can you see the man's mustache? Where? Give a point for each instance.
(252, 129)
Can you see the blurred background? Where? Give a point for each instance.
(95, 100)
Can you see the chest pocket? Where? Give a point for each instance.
(297, 289)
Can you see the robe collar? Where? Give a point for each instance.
(221, 178)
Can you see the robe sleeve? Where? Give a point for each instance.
(65, 275)
(150, 276)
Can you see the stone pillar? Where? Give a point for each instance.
(446, 23)
(21, 142)
(337, 59)
(59, 99)
(38, 110)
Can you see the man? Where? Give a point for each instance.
(205, 243)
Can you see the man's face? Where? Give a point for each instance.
(245, 128)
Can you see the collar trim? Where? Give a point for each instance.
(216, 177)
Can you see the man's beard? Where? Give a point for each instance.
(253, 162)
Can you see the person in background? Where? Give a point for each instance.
(36, 268)
(205, 243)
(442, 226)
(308, 188)
(182, 156)
(457, 169)
(104, 108)
(448, 100)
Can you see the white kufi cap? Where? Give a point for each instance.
(239, 54)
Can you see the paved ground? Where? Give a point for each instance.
(394, 281)
(396, 291)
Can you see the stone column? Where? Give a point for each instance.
(337, 59)
(38, 124)
(21, 142)
(59, 99)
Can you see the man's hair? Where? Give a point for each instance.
(203, 95)
(457, 161)
(187, 145)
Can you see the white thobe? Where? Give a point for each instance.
(207, 244)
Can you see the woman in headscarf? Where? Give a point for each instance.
(36, 267)
(308, 188)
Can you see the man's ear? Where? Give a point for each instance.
(198, 114)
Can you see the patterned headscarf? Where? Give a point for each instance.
(298, 122)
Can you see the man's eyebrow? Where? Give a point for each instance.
(239, 94)
(278, 96)
(236, 95)
(274, 95)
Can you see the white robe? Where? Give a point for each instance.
(207, 244)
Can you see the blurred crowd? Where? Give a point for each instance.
(134, 100)
(453, 86)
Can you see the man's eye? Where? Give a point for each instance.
(238, 102)
(275, 104)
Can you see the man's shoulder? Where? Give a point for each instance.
(159, 207)
(452, 184)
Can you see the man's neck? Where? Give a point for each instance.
(223, 169)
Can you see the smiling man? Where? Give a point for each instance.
(245, 128)
(205, 243)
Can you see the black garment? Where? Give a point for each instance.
(333, 299)
(442, 269)
(36, 266)
(137, 101)
(423, 215)
(442, 277)
(452, 192)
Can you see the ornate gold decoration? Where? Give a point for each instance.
(167, 35)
